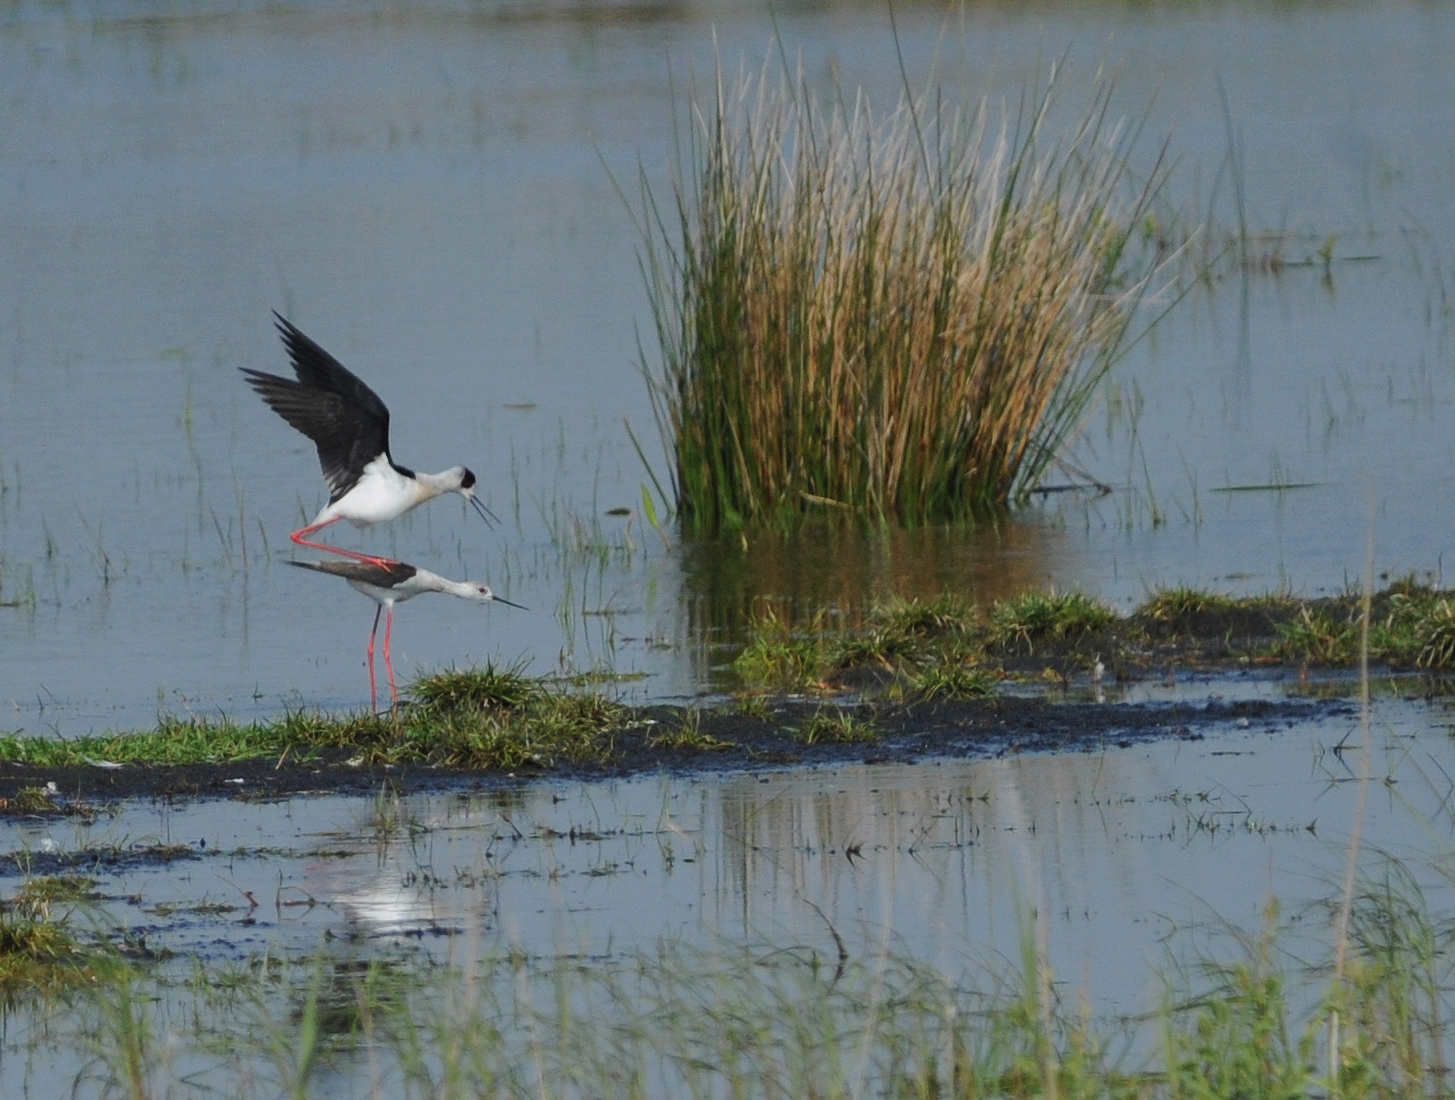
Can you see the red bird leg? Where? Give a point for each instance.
(373, 696)
(388, 628)
(297, 537)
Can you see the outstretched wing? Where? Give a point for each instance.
(380, 576)
(345, 418)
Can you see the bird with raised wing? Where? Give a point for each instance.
(350, 427)
(394, 582)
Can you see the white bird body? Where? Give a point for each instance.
(382, 493)
(350, 427)
(394, 582)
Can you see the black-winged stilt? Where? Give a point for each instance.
(350, 426)
(391, 583)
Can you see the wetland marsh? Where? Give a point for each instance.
(771, 876)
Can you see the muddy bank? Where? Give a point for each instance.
(685, 740)
(914, 679)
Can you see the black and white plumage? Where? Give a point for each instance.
(394, 582)
(350, 427)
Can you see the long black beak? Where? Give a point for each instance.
(486, 514)
(507, 603)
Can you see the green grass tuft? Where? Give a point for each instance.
(775, 657)
(480, 718)
(1435, 633)
(1318, 638)
(1035, 617)
(477, 687)
(1411, 626)
(30, 800)
(834, 726)
(39, 952)
(688, 736)
(953, 680)
(1174, 605)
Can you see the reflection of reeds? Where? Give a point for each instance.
(903, 317)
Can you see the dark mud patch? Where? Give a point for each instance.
(95, 859)
(979, 728)
(689, 740)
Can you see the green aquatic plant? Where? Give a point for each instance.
(1034, 617)
(1435, 635)
(752, 705)
(1316, 637)
(41, 949)
(1174, 605)
(836, 726)
(1235, 1038)
(687, 736)
(477, 687)
(31, 800)
(896, 316)
(777, 657)
(548, 729)
(953, 680)
(943, 615)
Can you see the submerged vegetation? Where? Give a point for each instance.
(41, 947)
(899, 315)
(944, 647)
(771, 1020)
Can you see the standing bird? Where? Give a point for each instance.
(350, 426)
(394, 582)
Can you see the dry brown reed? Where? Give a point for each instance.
(901, 316)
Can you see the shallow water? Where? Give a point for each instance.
(425, 190)
(1133, 854)
(1139, 860)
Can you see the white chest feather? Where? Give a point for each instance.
(380, 495)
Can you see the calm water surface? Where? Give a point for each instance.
(1139, 859)
(425, 189)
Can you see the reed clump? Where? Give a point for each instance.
(899, 316)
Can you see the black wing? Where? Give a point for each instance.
(396, 572)
(344, 418)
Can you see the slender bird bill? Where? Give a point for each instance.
(490, 518)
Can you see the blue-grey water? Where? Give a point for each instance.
(430, 191)
(1131, 862)
(427, 189)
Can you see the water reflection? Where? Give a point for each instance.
(1123, 852)
(422, 187)
(841, 570)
